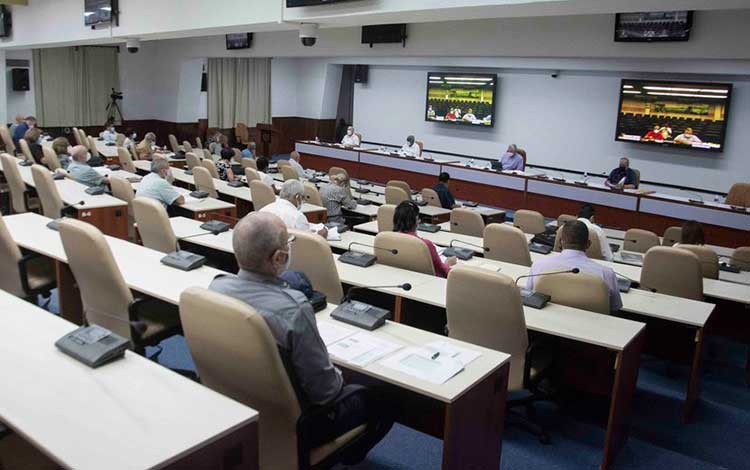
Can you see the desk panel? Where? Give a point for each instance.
(331, 152)
(400, 163)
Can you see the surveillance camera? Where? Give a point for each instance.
(555, 74)
(308, 34)
(133, 45)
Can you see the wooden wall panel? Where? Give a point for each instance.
(292, 129)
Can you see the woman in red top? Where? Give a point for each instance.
(405, 220)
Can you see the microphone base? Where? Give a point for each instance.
(363, 260)
(432, 228)
(183, 260)
(624, 285)
(464, 254)
(54, 224)
(696, 201)
(534, 299)
(361, 315)
(215, 226)
(540, 248)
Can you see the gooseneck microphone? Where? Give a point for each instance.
(405, 286)
(390, 250)
(468, 243)
(363, 260)
(567, 271)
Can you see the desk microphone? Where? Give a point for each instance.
(537, 299)
(364, 315)
(464, 254)
(697, 199)
(405, 286)
(567, 271)
(68, 211)
(363, 260)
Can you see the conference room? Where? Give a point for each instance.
(280, 234)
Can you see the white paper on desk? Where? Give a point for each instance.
(462, 355)
(334, 235)
(102, 170)
(419, 363)
(332, 332)
(621, 182)
(361, 349)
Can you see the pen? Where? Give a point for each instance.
(435, 356)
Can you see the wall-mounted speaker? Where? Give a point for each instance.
(361, 73)
(20, 79)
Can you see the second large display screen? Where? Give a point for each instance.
(459, 98)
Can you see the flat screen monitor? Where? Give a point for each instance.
(5, 21)
(461, 98)
(683, 115)
(653, 26)
(99, 11)
(239, 40)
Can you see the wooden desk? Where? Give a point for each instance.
(132, 413)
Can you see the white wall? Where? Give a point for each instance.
(19, 102)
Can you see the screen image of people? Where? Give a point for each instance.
(460, 99)
(689, 115)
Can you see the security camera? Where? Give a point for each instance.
(133, 45)
(308, 34)
(555, 74)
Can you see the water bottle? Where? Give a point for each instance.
(471, 162)
(585, 176)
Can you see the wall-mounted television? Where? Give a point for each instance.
(96, 12)
(6, 22)
(239, 40)
(653, 26)
(461, 98)
(685, 115)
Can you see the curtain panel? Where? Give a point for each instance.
(239, 90)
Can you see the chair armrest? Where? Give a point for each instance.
(23, 269)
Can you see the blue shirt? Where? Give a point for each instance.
(512, 161)
(19, 132)
(446, 198)
(84, 174)
(247, 154)
(156, 187)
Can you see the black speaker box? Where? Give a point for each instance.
(20, 79)
(360, 73)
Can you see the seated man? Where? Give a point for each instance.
(262, 164)
(145, 149)
(654, 134)
(80, 171)
(288, 207)
(444, 193)
(411, 148)
(294, 162)
(109, 134)
(575, 242)
(687, 138)
(337, 196)
(155, 185)
(469, 116)
(622, 177)
(21, 128)
(262, 247)
(586, 215)
(511, 159)
(350, 139)
(249, 151)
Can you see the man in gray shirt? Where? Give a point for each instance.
(79, 170)
(336, 196)
(262, 247)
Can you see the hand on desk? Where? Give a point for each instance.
(451, 261)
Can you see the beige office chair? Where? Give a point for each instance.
(92, 147)
(312, 255)
(23, 276)
(671, 236)
(637, 177)
(77, 136)
(412, 253)
(385, 217)
(639, 241)
(186, 147)
(204, 181)
(506, 243)
(262, 194)
(467, 222)
(395, 195)
(133, 152)
(50, 158)
(237, 155)
(198, 142)
(153, 225)
(26, 151)
(251, 175)
(421, 146)
(173, 143)
(335, 170)
(400, 184)
(312, 195)
(126, 161)
(531, 222)
(288, 172)
(120, 139)
(583, 291)
(739, 195)
(359, 134)
(594, 250)
(192, 160)
(207, 154)
(708, 258)
(236, 355)
(10, 147)
(672, 271)
(431, 196)
(20, 200)
(282, 163)
(242, 133)
(107, 300)
(123, 190)
(49, 196)
(211, 167)
(249, 163)
(472, 299)
(565, 218)
(741, 258)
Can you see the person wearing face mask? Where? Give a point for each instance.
(155, 185)
(109, 134)
(262, 246)
(410, 148)
(622, 177)
(511, 159)
(288, 207)
(20, 130)
(80, 171)
(350, 139)
(130, 138)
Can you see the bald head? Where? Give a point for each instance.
(257, 241)
(294, 156)
(79, 153)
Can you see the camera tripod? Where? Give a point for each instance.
(114, 111)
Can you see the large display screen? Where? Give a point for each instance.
(676, 114)
(459, 98)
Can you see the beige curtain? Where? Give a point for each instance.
(72, 85)
(239, 90)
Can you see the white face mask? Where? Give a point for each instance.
(349, 132)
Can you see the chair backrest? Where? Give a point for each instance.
(211, 167)
(708, 258)
(50, 158)
(312, 255)
(582, 290)
(471, 301)
(249, 163)
(395, 195)
(335, 170)
(26, 151)
(133, 151)
(529, 221)
(411, 252)
(421, 146)
(153, 225)
(192, 160)
(10, 147)
(237, 155)
(199, 142)
(251, 174)
(739, 195)
(77, 136)
(207, 154)
(236, 355)
(400, 184)
(126, 160)
(15, 183)
(506, 243)
(106, 298)
(262, 194)
(639, 240)
(312, 195)
(204, 181)
(671, 236)
(186, 146)
(288, 172)
(565, 218)
(92, 147)
(282, 163)
(359, 134)
(10, 255)
(120, 139)
(741, 258)
(173, 143)
(385, 217)
(431, 196)
(672, 271)
(50, 198)
(122, 190)
(637, 176)
(467, 222)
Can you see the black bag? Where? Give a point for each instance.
(298, 280)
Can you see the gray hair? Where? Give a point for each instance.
(339, 179)
(514, 148)
(256, 237)
(158, 164)
(291, 188)
(150, 136)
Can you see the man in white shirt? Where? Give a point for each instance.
(687, 138)
(469, 116)
(586, 215)
(575, 241)
(294, 163)
(109, 134)
(411, 148)
(288, 207)
(350, 139)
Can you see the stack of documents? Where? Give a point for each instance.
(353, 345)
(437, 362)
